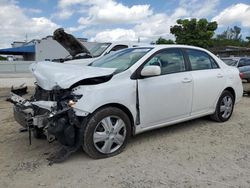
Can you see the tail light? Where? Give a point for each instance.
(241, 75)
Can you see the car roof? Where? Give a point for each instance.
(163, 46)
(235, 58)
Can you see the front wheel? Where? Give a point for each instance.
(106, 133)
(224, 108)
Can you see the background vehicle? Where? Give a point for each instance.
(83, 53)
(245, 75)
(237, 61)
(126, 93)
(243, 64)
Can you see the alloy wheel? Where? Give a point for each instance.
(109, 134)
(226, 106)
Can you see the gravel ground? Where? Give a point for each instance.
(198, 153)
(16, 79)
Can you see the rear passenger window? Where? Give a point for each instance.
(201, 60)
(170, 61)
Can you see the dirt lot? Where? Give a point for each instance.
(198, 153)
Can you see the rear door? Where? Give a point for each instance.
(208, 80)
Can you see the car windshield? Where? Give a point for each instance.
(98, 49)
(230, 62)
(122, 59)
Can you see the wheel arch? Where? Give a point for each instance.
(125, 110)
(231, 90)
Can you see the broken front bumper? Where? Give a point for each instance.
(21, 116)
(22, 108)
(60, 124)
(24, 111)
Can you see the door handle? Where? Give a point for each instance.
(186, 80)
(219, 75)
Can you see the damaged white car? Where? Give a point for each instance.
(85, 53)
(100, 106)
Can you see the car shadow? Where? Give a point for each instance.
(160, 132)
(172, 129)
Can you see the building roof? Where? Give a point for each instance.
(18, 50)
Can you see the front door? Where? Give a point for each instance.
(166, 97)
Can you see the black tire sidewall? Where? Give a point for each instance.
(88, 144)
(224, 94)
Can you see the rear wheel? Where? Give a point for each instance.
(224, 108)
(106, 133)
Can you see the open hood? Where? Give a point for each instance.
(70, 43)
(50, 74)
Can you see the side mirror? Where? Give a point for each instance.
(152, 70)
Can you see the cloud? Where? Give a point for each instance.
(111, 20)
(99, 11)
(198, 9)
(15, 24)
(33, 10)
(113, 12)
(115, 35)
(154, 25)
(238, 13)
(149, 30)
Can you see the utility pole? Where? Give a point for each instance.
(26, 38)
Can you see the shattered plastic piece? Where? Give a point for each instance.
(19, 90)
(22, 129)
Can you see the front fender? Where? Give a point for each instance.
(95, 96)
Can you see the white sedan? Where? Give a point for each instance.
(126, 93)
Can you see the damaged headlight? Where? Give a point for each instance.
(73, 101)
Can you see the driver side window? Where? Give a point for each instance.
(170, 61)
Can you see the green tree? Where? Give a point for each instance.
(194, 32)
(248, 40)
(230, 37)
(230, 34)
(161, 40)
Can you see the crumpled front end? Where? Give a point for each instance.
(49, 114)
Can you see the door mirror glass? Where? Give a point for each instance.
(152, 70)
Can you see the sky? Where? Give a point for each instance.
(114, 20)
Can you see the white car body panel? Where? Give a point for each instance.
(207, 86)
(161, 92)
(188, 95)
(50, 74)
(91, 101)
(84, 61)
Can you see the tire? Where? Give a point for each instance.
(38, 133)
(107, 133)
(224, 107)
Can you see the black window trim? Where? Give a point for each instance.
(136, 74)
(125, 46)
(188, 60)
